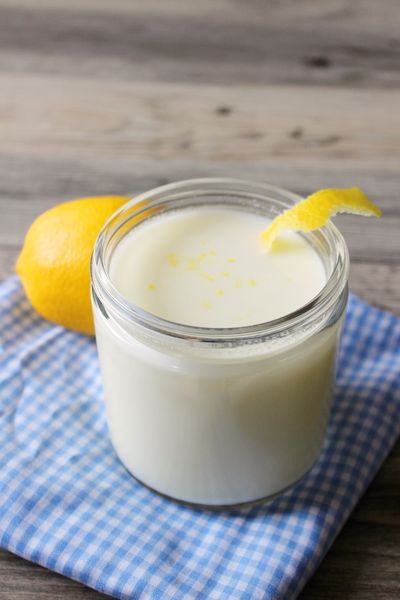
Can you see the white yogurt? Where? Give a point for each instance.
(212, 425)
(207, 267)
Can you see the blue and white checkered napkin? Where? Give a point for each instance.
(68, 504)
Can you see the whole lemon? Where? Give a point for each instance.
(54, 264)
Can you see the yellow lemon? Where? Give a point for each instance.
(315, 211)
(54, 264)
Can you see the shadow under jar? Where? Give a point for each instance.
(210, 416)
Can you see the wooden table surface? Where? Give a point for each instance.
(114, 97)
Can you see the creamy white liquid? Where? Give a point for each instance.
(207, 267)
(205, 425)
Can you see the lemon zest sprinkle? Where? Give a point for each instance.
(206, 305)
(207, 276)
(194, 263)
(172, 259)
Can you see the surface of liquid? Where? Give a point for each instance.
(206, 267)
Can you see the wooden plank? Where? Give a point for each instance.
(321, 44)
(378, 284)
(357, 15)
(275, 125)
(30, 177)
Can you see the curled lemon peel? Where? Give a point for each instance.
(316, 210)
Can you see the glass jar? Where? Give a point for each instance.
(217, 417)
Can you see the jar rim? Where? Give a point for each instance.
(111, 300)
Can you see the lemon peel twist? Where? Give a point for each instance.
(316, 210)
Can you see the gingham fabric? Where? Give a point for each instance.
(68, 504)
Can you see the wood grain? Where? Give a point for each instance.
(165, 121)
(99, 97)
(21, 580)
(319, 43)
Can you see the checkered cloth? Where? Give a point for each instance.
(68, 504)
